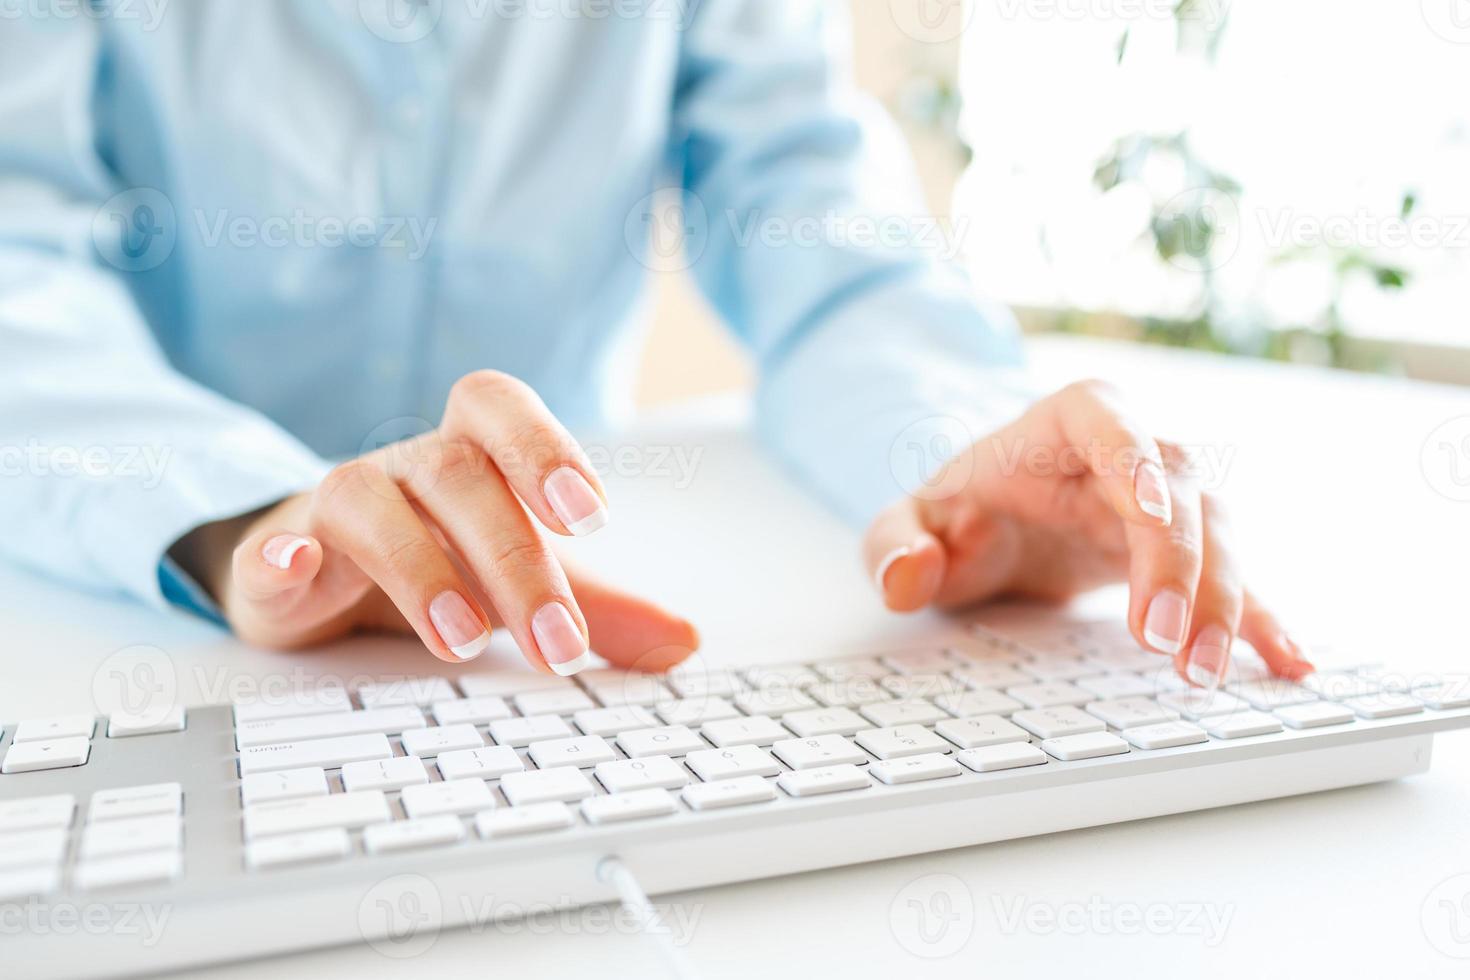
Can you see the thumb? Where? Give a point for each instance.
(629, 631)
(907, 562)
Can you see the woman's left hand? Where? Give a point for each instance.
(1074, 495)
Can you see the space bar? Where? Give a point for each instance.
(324, 753)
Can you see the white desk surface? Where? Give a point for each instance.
(1341, 524)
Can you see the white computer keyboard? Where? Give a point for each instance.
(266, 825)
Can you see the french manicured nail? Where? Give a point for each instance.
(1303, 666)
(458, 626)
(1209, 657)
(559, 638)
(881, 573)
(279, 550)
(574, 501)
(1163, 626)
(1151, 491)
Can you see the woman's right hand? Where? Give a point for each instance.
(432, 535)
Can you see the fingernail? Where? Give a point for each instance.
(1303, 666)
(1209, 657)
(574, 501)
(559, 638)
(1163, 627)
(1151, 491)
(883, 566)
(458, 626)
(279, 550)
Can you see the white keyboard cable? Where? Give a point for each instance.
(612, 871)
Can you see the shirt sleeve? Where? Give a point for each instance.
(107, 454)
(805, 227)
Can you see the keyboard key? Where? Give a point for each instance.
(1196, 703)
(415, 692)
(653, 772)
(37, 812)
(458, 797)
(311, 701)
(491, 762)
(915, 768)
(1122, 661)
(669, 740)
(980, 730)
(605, 722)
(922, 687)
(695, 711)
(378, 721)
(521, 732)
(384, 774)
(565, 785)
(345, 810)
(740, 760)
(1268, 694)
(288, 784)
(621, 690)
(973, 703)
(1074, 748)
(728, 792)
(470, 711)
(579, 752)
(1049, 694)
(1314, 715)
(890, 714)
(495, 824)
(1058, 722)
(317, 845)
(774, 701)
(782, 676)
(1117, 687)
(851, 692)
(1165, 735)
(902, 741)
(157, 799)
(991, 676)
(637, 805)
(849, 668)
(825, 721)
(63, 726)
(993, 758)
(511, 682)
(130, 869)
(328, 753)
(829, 779)
(822, 751)
(1048, 668)
(28, 882)
(32, 848)
(563, 701)
(1384, 705)
(698, 681)
(1131, 712)
(429, 742)
(59, 753)
(1337, 685)
(919, 662)
(753, 730)
(1441, 697)
(112, 837)
(124, 725)
(1241, 724)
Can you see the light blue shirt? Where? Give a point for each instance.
(238, 240)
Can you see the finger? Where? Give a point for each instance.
(1217, 604)
(1164, 569)
(489, 530)
(536, 455)
(1283, 655)
(364, 516)
(1123, 457)
(631, 632)
(906, 562)
(275, 566)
